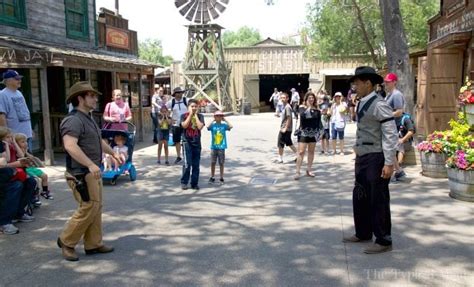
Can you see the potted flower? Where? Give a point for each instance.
(460, 164)
(466, 100)
(433, 153)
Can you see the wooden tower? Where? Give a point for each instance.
(204, 68)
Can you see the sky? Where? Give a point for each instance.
(160, 19)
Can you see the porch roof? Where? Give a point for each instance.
(19, 52)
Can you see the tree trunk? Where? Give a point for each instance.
(397, 49)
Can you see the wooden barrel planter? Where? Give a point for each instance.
(461, 184)
(469, 111)
(433, 165)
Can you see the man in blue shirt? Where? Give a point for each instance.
(218, 129)
(14, 112)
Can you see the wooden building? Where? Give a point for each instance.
(449, 60)
(54, 44)
(258, 69)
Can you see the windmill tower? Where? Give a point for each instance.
(204, 68)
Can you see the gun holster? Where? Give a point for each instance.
(81, 185)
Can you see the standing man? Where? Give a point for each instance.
(84, 146)
(376, 140)
(274, 99)
(14, 112)
(192, 123)
(286, 127)
(295, 101)
(178, 106)
(155, 110)
(396, 100)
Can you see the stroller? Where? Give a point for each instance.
(127, 168)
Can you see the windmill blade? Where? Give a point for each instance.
(201, 11)
(179, 3)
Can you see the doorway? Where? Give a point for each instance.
(284, 83)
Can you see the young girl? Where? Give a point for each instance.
(325, 118)
(164, 133)
(121, 149)
(21, 145)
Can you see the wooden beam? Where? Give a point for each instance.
(48, 146)
(141, 128)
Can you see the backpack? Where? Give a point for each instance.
(401, 126)
(173, 102)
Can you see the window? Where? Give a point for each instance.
(77, 20)
(12, 13)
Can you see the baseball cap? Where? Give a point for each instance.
(338, 94)
(12, 74)
(390, 77)
(218, 113)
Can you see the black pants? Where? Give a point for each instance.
(371, 200)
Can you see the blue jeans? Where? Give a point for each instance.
(11, 195)
(154, 119)
(192, 159)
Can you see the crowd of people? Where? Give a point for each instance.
(384, 133)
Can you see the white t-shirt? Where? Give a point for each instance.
(337, 114)
(179, 109)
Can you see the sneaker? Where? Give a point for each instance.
(400, 175)
(342, 153)
(47, 195)
(195, 187)
(184, 186)
(167, 162)
(178, 159)
(221, 181)
(321, 152)
(24, 218)
(36, 201)
(9, 229)
(158, 162)
(279, 161)
(212, 180)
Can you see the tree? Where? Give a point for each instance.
(398, 58)
(336, 27)
(152, 51)
(243, 37)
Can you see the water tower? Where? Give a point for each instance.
(204, 67)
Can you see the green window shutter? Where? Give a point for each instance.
(77, 19)
(13, 13)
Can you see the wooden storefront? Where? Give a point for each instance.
(449, 60)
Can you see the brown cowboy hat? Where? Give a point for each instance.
(78, 88)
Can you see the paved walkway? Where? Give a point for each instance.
(245, 233)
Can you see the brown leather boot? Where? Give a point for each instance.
(377, 248)
(102, 249)
(354, 239)
(68, 253)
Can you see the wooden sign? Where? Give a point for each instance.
(27, 56)
(117, 38)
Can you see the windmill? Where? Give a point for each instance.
(204, 67)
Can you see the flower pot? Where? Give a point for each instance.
(433, 165)
(469, 111)
(461, 184)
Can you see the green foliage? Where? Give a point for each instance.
(152, 50)
(332, 27)
(243, 37)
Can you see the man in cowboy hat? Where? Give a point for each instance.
(14, 112)
(84, 146)
(178, 105)
(376, 141)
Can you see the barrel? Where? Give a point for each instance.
(247, 108)
(433, 164)
(461, 184)
(469, 111)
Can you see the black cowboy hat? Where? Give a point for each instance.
(367, 72)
